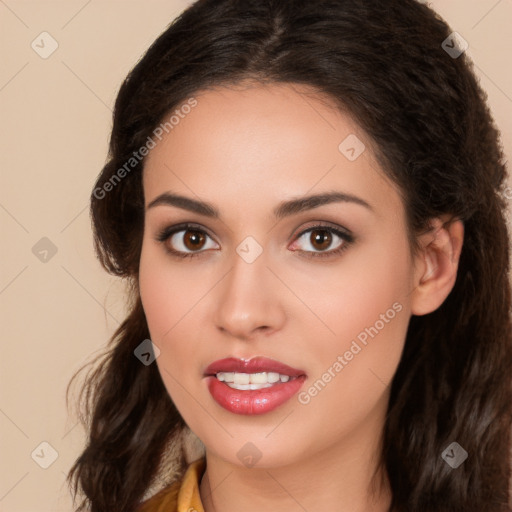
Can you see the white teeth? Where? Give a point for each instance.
(246, 381)
(273, 377)
(258, 378)
(242, 378)
(245, 387)
(226, 376)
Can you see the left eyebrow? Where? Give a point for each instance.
(293, 206)
(284, 209)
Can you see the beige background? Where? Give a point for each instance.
(55, 122)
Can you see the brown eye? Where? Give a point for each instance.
(193, 240)
(320, 239)
(186, 241)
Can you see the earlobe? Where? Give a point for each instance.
(436, 265)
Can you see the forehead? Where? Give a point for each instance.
(251, 146)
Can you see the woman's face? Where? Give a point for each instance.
(320, 286)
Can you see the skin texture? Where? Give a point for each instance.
(244, 150)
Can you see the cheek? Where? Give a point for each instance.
(158, 300)
(173, 300)
(365, 311)
(165, 292)
(374, 288)
(359, 296)
(166, 301)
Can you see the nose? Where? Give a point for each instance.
(248, 300)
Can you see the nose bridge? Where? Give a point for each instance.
(248, 299)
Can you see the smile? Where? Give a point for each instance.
(254, 386)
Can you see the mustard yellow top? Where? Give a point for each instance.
(181, 496)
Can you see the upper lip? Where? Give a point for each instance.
(254, 365)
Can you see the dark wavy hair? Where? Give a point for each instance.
(382, 62)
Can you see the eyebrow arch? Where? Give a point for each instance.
(284, 209)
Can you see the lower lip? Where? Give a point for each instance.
(253, 401)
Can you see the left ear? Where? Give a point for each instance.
(436, 264)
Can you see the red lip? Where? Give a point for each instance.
(254, 365)
(256, 401)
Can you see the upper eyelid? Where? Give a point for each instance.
(321, 224)
(318, 224)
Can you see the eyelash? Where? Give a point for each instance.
(168, 232)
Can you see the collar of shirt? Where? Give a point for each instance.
(181, 496)
(189, 499)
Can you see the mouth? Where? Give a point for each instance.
(254, 386)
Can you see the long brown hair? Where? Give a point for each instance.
(384, 62)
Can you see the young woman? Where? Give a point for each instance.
(306, 201)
